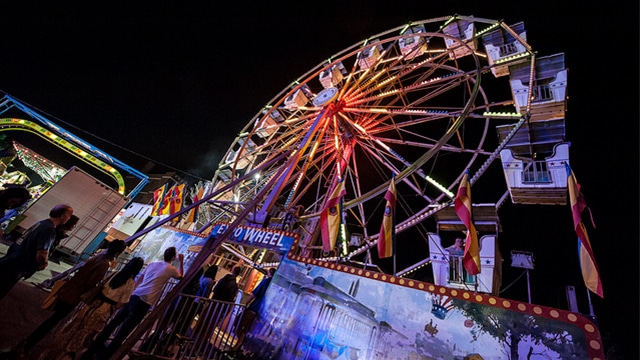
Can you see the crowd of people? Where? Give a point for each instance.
(86, 327)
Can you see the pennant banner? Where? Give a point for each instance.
(463, 207)
(330, 218)
(193, 213)
(158, 198)
(386, 238)
(175, 203)
(588, 266)
(166, 200)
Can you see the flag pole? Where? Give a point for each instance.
(590, 305)
(528, 286)
(394, 259)
(393, 229)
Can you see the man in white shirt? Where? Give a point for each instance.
(149, 286)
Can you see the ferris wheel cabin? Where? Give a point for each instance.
(243, 146)
(465, 30)
(368, 57)
(533, 160)
(447, 267)
(533, 181)
(504, 47)
(333, 76)
(268, 124)
(549, 88)
(412, 46)
(296, 99)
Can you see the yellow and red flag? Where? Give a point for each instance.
(166, 200)
(471, 257)
(193, 213)
(588, 266)
(175, 203)
(386, 238)
(331, 217)
(158, 198)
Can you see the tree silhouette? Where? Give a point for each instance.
(510, 328)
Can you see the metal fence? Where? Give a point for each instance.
(194, 327)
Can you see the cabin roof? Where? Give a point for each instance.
(485, 219)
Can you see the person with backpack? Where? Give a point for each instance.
(148, 290)
(92, 317)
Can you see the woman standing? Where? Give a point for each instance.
(207, 280)
(92, 317)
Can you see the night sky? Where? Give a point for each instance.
(174, 84)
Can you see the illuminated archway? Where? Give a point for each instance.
(7, 124)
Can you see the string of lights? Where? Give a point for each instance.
(46, 169)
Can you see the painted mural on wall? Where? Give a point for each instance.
(340, 312)
(152, 245)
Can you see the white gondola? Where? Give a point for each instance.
(268, 123)
(549, 98)
(224, 172)
(368, 57)
(413, 46)
(332, 76)
(241, 150)
(465, 30)
(533, 162)
(537, 181)
(448, 269)
(503, 49)
(296, 99)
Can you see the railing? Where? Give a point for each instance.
(457, 272)
(536, 172)
(508, 49)
(542, 93)
(194, 327)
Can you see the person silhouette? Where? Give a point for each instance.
(30, 252)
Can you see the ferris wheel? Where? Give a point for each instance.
(422, 103)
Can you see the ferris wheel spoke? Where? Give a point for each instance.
(387, 112)
(436, 86)
(320, 166)
(386, 157)
(359, 212)
(395, 155)
(411, 122)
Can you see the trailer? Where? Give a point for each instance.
(95, 203)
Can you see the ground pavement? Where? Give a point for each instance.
(20, 311)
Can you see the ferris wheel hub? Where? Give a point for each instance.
(325, 96)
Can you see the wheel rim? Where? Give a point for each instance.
(406, 116)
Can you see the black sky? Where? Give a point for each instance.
(176, 83)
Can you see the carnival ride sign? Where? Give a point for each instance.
(270, 239)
